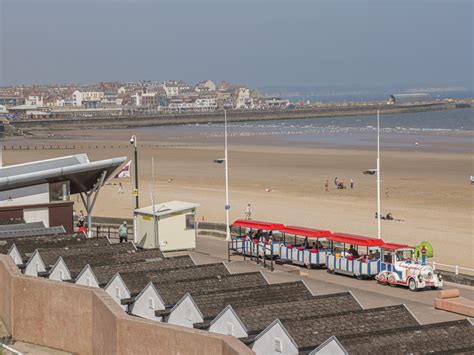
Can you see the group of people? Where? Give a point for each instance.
(339, 184)
(261, 236)
(354, 254)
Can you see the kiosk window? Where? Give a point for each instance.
(189, 221)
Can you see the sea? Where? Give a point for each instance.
(440, 131)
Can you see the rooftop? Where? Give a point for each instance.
(211, 303)
(257, 317)
(440, 338)
(137, 280)
(166, 208)
(310, 332)
(171, 295)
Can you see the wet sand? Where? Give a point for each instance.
(427, 190)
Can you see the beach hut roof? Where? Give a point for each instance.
(356, 239)
(268, 226)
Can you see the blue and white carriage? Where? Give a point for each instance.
(363, 262)
(256, 238)
(304, 246)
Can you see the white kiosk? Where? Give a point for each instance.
(169, 226)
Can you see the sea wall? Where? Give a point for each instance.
(87, 321)
(142, 120)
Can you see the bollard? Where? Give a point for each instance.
(457, 270)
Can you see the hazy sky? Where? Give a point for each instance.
(254, 42)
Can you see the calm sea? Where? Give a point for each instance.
(443, 131)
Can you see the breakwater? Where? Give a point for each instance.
(144, 120)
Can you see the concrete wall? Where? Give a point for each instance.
(87, 321)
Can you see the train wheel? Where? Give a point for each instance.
(412, 285)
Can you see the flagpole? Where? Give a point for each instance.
(227, 205)
(379, 232)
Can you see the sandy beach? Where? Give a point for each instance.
(427, 190)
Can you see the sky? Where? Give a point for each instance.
(251, 42)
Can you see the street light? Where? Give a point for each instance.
(227, 204)
(133, 141)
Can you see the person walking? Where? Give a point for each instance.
(120, 189)
(326, 185)
(352, 183)
(123, 232)
(248, 212)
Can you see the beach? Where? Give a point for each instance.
(426, 189)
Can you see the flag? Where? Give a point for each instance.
(124, 172)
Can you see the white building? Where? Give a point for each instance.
(171, 90)
(243, 99)
(80, 98)
(34, 100)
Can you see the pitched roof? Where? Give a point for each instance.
(211, 303)
(137, 280)
(257, 317)
(142, 260)
(27, 245)
(31, 232)
(90, 252)
(310, 332)
(173, 292)
(439, 338)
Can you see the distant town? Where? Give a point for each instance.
(154, 98)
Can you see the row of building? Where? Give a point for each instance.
(170, 96)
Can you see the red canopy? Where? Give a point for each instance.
(306, 232)
(356, 240)
(268, 226)
(393, 246)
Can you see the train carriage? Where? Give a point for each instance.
(366, 264)
(314, 255)
(244, 241)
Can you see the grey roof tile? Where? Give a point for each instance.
(137, 280)
(142, 260)
(172, 292)
(438, 338)
(257, 317)
(310, 332)
(211, 303)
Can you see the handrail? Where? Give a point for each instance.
(455, 267)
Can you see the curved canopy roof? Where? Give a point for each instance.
(268, 226)
(82, 173)
(356, 240)
(306, 232)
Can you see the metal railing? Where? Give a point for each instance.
(456, 268)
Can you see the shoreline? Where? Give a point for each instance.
(131, 121)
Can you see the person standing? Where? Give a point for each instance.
(81, 219)
(336, 181)
(352, 183)
(248, 212)
(423, 255)
(326, 185)
(123, 232)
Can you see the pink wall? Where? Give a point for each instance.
(87, 321)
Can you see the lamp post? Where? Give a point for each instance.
(227, 204)
(133, 141)
(379, 231)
